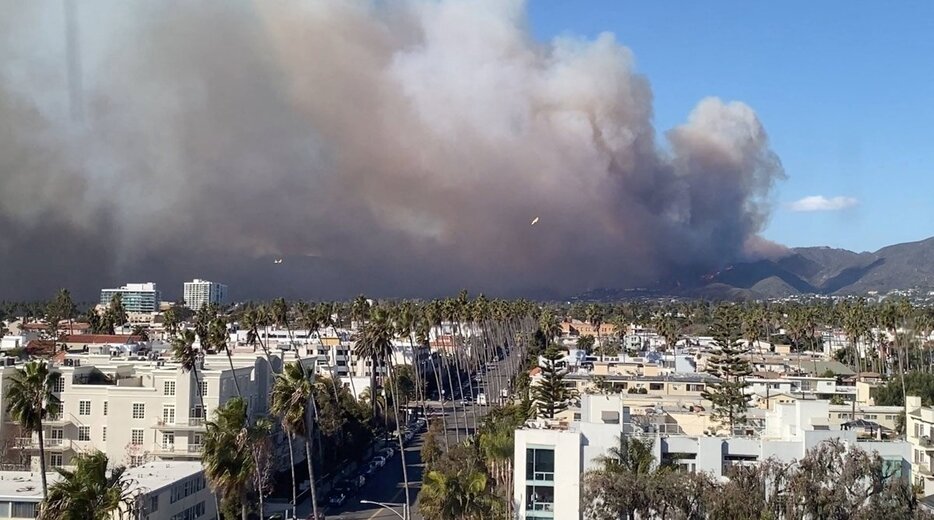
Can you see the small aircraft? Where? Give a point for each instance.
(277, 261)
(534, 221)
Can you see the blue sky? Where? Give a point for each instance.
(844, 89)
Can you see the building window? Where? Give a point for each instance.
(139, 410)
(203, 388)
(104, 434)
(540, 498)
(84, 433)
(656, 386)
(169, 388)
(105, 407)
(168, 415)
(55, 460)
(59, 385)
(154, 504)
(24, 509)
(136, 436)
(136, 460)
(168, 440)
(84, 407)
(540, 464)
(695, 388)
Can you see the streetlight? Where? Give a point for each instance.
(389, 506)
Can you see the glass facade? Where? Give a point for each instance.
(539, 476)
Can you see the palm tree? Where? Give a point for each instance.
(374, 342)
(292, 397)
(30, 400)
(90, 491)
(183, 352)
(228, 461)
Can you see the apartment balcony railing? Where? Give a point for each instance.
(178, 450)
(29, 443)
(194, 423)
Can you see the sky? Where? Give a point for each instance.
(844, 90)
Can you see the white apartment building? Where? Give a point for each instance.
(136, 297)
(163, 491)
(198, 293)
(919, 430)
(137, 411)
(551, 457)
(800, 386)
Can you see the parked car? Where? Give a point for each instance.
(337, 499)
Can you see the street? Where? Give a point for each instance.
(386, 485)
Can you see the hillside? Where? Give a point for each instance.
(825, 270)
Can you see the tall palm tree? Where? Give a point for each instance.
(90, 491)
(228, 461)
(184, 353)
(375, 342)
(292, 397)
(30, 400)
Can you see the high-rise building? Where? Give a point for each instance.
(199, 292)
(136, 297)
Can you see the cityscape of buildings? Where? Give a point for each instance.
(126, 394)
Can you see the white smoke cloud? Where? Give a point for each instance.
(401, 149)
(822, 203)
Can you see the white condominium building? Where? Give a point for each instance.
(198, 293)
(137, 411)
(552, 456)
(136, 297)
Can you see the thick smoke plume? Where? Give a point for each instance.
(392, 148)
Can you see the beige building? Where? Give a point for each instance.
(139, 411)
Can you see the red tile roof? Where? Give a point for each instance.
(40, 347)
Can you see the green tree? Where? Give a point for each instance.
(727, 395)
(586, 343)
(227, 459)
(90, 492)
(291, 401)
(30, 400)
(550, 393)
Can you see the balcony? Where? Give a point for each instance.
(53, 445)
(192, 424)
(177, 450)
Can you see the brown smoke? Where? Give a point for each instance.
(398, 148)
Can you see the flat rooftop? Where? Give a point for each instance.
(154, 476)
(26, 486)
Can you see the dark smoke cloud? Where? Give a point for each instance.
(398, 148)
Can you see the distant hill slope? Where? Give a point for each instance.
(825, 270)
